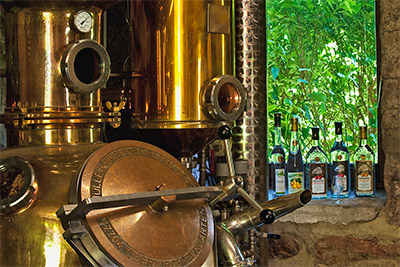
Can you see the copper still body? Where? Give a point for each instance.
(182, 85)
(53, 118)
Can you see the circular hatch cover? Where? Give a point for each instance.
(139, 235)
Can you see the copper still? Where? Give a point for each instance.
(67, 198)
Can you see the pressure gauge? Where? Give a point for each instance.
(83, 21)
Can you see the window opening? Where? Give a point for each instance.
(322, 69)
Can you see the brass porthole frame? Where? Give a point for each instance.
(71, 79)
(210, 103)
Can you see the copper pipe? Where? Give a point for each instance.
(127, 75)
(250, 218)
(228, 250)
(203, 166)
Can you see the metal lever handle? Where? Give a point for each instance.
(267, 216)
(75, 212)
(267, 235)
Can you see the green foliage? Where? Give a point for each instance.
(322, 68)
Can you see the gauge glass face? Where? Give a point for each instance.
(83, 21)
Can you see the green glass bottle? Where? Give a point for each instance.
(278, 160)
(295, 166)
(364, 167)
(316, 168)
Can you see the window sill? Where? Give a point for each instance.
(352, 209)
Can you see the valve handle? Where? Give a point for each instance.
(224, 132)
(267, 216)
(273, 236)
(267, 235)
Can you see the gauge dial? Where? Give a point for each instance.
(83, 21)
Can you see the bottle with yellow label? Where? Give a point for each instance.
(364, 167)
(278, 160)
(295, 166)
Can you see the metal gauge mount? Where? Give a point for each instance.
(117, 219)
(82, 21)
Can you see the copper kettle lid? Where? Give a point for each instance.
(141, 235)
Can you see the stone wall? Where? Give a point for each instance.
(357, 232)
(390, 104)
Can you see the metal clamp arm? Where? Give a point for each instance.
(75, 212)
(234, 182)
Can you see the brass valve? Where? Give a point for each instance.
(115, 107)
(23, 108)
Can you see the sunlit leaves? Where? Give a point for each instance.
(275, 72)
(322, 67)
(318, 96)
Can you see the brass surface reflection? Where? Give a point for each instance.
(34, 237)
(55, 127)
(171, 45)
(40, 108)
(37, 40)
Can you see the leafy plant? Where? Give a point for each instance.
(322, 68)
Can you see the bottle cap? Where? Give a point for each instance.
(315, 133)
(338, 127)
(277, 119)
(295, 122)
(363, 132)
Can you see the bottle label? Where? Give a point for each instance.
(318, 178)
(278, 158)
(364, 175)
(294, 146)
(280, 181)
(340, 172)
(296, 181)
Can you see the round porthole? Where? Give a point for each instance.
(17, 185)
(85, 66)
(223, 98)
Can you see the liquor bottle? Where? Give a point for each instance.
(340, 168)
(295, 166)
(316, 168)
(278, 160)
(364, 167)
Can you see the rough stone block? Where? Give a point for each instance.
(390, 47)
(391, 94)
(392, 166)
(390, 15)
(391, 140)
(392, 207)
(325, 210)
(338, 250)
(390, 121)
(285, 247)
(373, 263)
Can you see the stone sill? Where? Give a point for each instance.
(352, 209)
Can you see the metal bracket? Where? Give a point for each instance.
(72, 214)
(233, 183)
